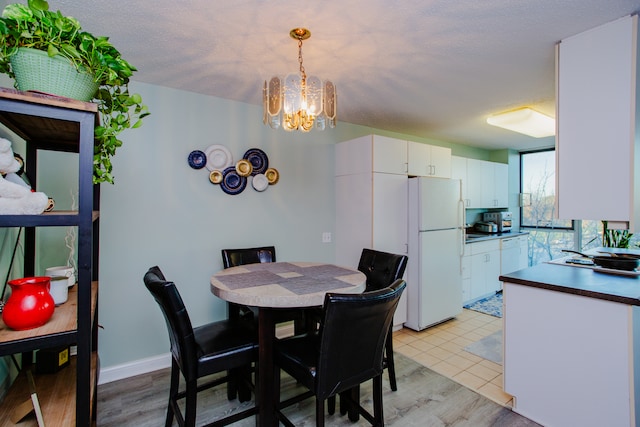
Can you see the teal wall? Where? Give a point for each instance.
(162, 212)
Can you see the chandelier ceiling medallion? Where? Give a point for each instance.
(299, 102)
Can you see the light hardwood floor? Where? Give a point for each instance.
(424, 398)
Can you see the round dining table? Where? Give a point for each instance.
(272, 286)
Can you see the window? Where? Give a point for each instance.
(548, 235)
(538, 188)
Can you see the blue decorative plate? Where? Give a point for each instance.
(232, 183)
(258, 160)
(197, 159)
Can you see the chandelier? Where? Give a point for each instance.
(299, 102)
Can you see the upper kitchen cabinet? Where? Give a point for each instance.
(495, 185)
(596, 116)
(428, 160)
(484, 184)
(371, 153)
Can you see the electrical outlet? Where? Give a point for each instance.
(326, 237)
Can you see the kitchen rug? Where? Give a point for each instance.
(491, 305)
(489, 347)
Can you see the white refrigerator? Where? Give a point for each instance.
(436, 244)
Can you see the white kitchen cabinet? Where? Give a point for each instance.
(371, 206)
(428, 160)
(484, 184)
(484, 261)
(459, 171)
(513, 254)
(495, 185)
(596, 115)
(371, 153)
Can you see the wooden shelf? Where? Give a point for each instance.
(52, 123)
(60, 329)
(56, 394)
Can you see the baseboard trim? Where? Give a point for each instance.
(131, 369)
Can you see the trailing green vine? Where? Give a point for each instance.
(34, 26)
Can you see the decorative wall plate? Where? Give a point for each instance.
(272, 175)
(218, 157)
(197, 159)
(244, 168)
(258, 160)
(215, 177)
(259, 182)
(232, 183)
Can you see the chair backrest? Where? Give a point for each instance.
(235, 257)
(352, 337)
(381, 268)
(183, 344)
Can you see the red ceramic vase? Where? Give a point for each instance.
(30, 304)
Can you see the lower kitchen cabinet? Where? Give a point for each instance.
(481, 266)
(513, 254)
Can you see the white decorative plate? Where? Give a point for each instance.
(260, 182)
(218, 157)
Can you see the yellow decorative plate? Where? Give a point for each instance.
(244, 168)
(215, 177)
(272, 175)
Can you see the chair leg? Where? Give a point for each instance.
(378, 414)
(391, 367)
(243, 378)
(353, 408)
(319, 412)
(173, 391)
(190, 403)
(331, 405)
(232, 384)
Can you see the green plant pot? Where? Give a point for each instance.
(35, 70)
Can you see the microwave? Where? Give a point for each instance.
(502, 219)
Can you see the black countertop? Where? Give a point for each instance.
(579, 281)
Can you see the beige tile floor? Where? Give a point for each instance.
(441, 348)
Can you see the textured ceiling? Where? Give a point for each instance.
(430, 68)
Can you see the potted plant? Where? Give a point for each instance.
(615, 238)
(35, 26)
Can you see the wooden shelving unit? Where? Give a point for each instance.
(58, 124)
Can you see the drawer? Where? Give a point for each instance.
(481, 247)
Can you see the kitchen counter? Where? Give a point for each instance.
(572, 345)
(472, 237)
(578, 280)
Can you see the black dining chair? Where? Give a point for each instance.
(344, 352)
(236, 257)
(382, 269)
(201, 351)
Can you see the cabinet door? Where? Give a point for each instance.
(477, 281)
(390, 213)
(440, 162)
(501, 185)
(354, 216)
(389, 155)
(459, 171)
(354, 156)
(474, 183)
(595, 143)
(523, 257)
(492, 272)
(488, 181)
(418, 158)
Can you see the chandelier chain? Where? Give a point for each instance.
(303, 74)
